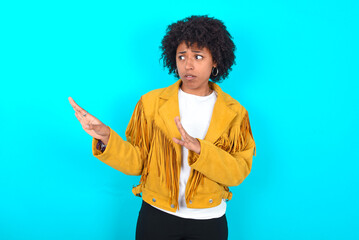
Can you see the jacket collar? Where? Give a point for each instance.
(222, 115)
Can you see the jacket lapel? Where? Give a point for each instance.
(168, 111)
(222, 115)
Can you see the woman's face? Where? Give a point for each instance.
(194, 66)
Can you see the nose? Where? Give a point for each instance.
(189, 64)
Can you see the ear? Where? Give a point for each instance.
(214, 64)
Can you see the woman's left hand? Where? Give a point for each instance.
(188, 142)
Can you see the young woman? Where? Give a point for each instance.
(189, 141)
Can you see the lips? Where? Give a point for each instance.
(189, 76)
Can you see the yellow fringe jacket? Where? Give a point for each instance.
(225, 158)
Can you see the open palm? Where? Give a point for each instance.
(90, 124)
(187, 141)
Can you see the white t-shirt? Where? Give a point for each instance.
(195, 115)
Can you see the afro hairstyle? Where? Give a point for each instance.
(205, 32)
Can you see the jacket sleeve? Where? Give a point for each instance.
(228, 161)
(127, 156)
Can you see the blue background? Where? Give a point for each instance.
(297, 75)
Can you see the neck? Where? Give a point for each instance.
(199, 92)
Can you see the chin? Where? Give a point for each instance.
(190, 83)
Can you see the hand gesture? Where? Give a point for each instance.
(90, 124)
(188, 142)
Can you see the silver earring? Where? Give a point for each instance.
(176, 71)
(215, 75)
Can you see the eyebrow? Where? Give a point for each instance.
(192, 51)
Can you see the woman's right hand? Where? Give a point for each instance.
(90, 124)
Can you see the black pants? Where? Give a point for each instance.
(154, 224)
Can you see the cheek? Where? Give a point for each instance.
(178, 65)
(209, 69)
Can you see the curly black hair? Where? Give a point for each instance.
(205, 32)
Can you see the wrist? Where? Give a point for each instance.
(106, 138)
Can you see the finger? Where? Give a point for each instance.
(76, 107)
(78, 116)
(179, 126)
(84, 125)
(178, 141)
(181, 129)
(81, 119)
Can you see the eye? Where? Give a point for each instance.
(199, 57)
(180, 57)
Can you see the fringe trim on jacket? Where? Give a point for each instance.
(141, 135)
(235, 140)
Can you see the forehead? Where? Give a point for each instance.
(193, 47)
